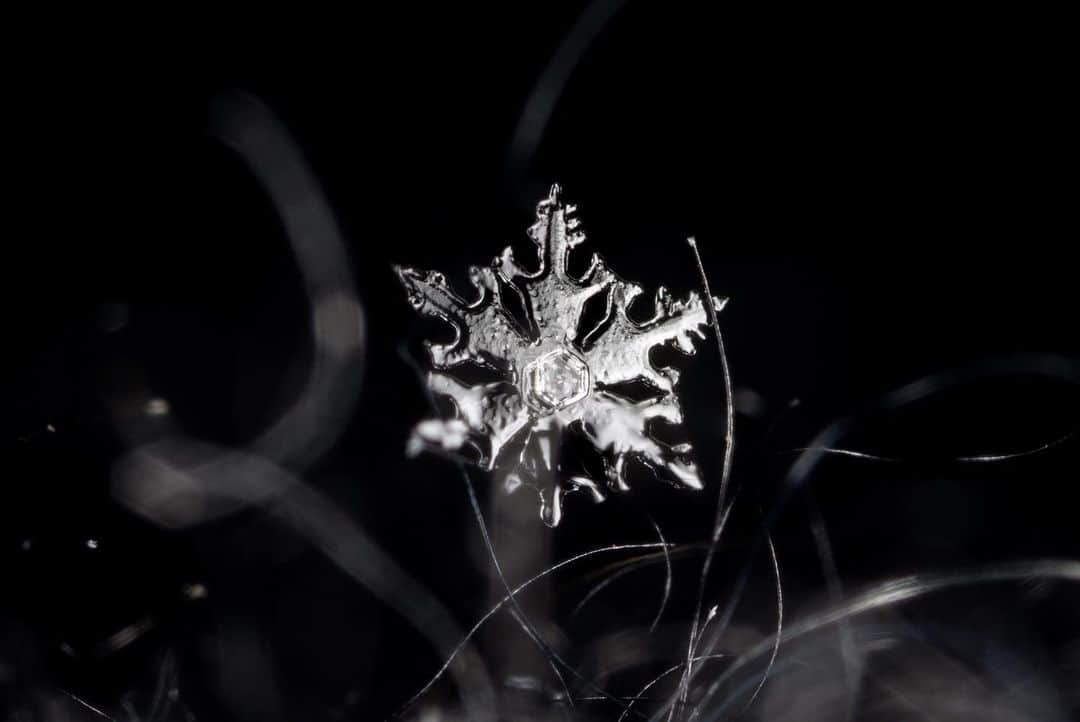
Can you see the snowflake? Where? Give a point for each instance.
(551, 377)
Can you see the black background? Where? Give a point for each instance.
(884, 197)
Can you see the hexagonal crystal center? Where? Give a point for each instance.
(555, 380)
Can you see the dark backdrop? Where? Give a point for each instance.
(884, 197)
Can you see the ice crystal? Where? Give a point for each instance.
(552, 377)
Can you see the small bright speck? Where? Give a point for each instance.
(156, 407)
(91, 543)
(195, 591)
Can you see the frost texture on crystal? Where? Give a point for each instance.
(555, 377)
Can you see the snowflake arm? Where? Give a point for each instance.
(621, 430)
(484, 332)
(554, 297)
(620, 353)
(488, 416)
